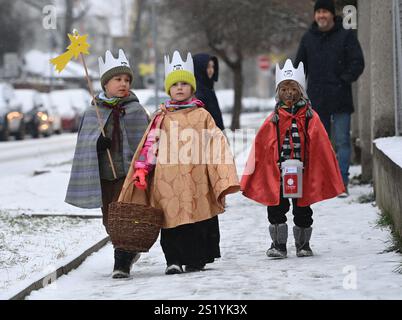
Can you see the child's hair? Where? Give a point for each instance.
(109, 77)
(112, 67)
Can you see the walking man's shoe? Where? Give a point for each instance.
(344, 194)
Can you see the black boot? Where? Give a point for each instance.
(174, 269)
(194, 268)
(302, 241)
(279, 235)
(123, 261)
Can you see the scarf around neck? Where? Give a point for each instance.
(292, 133)
(172, 105)
(118, 110)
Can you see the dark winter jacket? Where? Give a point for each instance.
(332, 61)
(205, 86)
(84, 187)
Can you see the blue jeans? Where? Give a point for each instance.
(341, 131)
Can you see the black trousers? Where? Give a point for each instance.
(110, 193)
(193, 244)
(302, 216)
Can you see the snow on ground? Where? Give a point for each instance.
(30, 247)
(24, 192)
(33, 247)
(249, 104)
(350, 261)
(392, 147)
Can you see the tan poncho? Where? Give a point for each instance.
(193, 173)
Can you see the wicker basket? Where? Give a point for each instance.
(133, 227)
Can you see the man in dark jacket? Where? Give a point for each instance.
(333, 59)
(206, 71)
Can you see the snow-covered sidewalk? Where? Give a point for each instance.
(349, 261)
(34, 247)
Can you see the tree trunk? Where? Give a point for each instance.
(238, 94)
(68, 22)
(137, 45)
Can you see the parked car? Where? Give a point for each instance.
(152, 104)
(143, 94)
(147, 98)
(54, 114)
(36, 116)
(11, 115)
(71, 104)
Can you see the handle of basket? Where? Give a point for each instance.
(131, 181)
(162, 115)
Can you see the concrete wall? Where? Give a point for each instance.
(382, 73)
(375, 102)
(387, 187)
(363, 113)
(376, 105)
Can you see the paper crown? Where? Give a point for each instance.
(288, 72)
(110, 62)
(178, 64)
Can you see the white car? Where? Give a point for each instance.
(11, 116)
(54, 114)
(147, 98)
(36, 116)
(70, 104)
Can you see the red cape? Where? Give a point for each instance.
(321, 177)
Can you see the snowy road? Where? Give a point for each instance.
(24, 192)
(22, 157)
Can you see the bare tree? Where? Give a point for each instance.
(10, 35)
(13, 28)
(75, 10)
(237, 29)
(36, 4)
(72, 16)
(138, 41)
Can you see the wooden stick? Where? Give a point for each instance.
(97, 113)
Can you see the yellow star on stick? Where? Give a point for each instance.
(78, 46)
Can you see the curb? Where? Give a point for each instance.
(63, 270)
(81, 216)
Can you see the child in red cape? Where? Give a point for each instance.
(292, 131)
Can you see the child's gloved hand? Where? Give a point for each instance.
(139, 178)
(103, 143)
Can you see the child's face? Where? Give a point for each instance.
(118, 86)
(289, 92)
(181, 91)
(210, 69)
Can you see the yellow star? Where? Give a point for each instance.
(78, 45)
